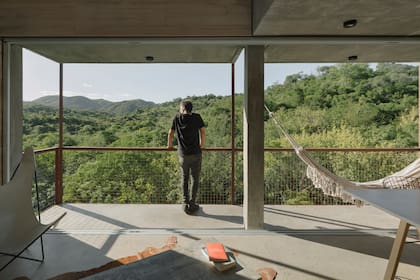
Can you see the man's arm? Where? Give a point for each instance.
(202, 137)
(171, 133)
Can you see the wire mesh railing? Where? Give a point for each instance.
(45, 179)
(140, 176)
(286, 183)
(148, 176)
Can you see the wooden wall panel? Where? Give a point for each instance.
(124, 18)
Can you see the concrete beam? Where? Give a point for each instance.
(254, 138)
(259, 10)
(148, 18)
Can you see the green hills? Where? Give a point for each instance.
(95, 105)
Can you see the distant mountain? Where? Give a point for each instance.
(82, 103)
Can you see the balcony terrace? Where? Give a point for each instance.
(299, 242)
(325, 241)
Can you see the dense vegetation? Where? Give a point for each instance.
(343, 106)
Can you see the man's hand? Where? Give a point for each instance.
(171, 133)
(171, 148)
(202, 138)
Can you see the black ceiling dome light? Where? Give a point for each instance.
(352, 58)
(149, 58)
(350, 23)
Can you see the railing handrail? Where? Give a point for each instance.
(218, 149)
(414, 149)
(45, 150)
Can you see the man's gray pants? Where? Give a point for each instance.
(190, 163)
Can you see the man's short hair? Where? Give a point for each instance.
(187, 105)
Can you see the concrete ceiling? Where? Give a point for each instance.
(280, 50)
(292, 31)
(324, 19)
(122, 51)
(341, 53)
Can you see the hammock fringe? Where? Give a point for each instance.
(334, 185)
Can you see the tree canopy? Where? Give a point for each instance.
(344, 106)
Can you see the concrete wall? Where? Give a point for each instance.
(125, 18)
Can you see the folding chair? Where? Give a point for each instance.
(19, 227)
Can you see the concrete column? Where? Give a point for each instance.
(12, 110)
(418, 111)
(418, 123)
(254, 138)
(1, 115)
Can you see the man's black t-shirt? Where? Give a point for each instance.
(187, 128)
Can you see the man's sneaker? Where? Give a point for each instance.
(193, 207)
(186, 208)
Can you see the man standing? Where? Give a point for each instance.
(191, 135)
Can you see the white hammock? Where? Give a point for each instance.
(334, 185)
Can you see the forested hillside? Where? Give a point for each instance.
(379, 106)
(82, 103)
(346, 106)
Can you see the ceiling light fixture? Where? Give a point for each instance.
(350, 23)
(149, 58)
(352, 58)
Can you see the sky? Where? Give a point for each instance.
(151, 82)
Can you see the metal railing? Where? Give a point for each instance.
(151, 175)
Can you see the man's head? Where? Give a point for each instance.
(185, 106)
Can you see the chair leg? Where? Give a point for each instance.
(396, 250)
(42, 249)
(21, 257)
(4, 266)
(18, 256)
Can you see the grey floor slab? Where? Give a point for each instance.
(300, 242)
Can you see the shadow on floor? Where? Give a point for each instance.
(63, 253)
(353, 237)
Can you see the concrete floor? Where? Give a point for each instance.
(299, 242)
